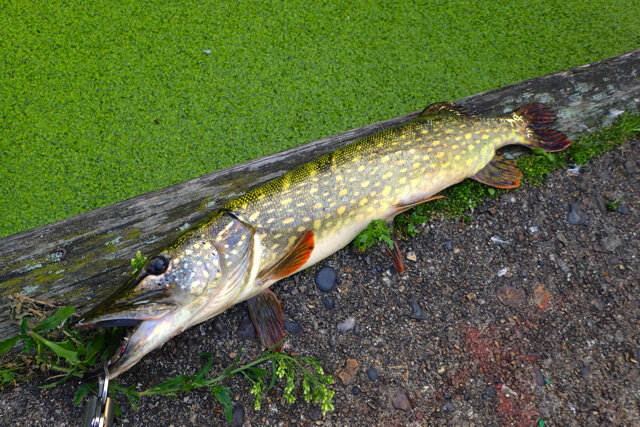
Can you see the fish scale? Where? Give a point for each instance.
(302, 217)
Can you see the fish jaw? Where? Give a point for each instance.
(147, 336)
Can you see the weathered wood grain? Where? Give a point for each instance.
(100, 243)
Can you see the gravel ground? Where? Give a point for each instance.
(518, 316)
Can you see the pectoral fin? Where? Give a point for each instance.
(292, 261)
(266, 315)
(499, 172)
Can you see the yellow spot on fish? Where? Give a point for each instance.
(270, 220)
(338, 177)
(471, 147)
(402, 180)
(277, 236)
(301, 228)
(469, 161)
(317, 223)
(403, 170)
(363, 201)
(276, 246)
(254, 216)
(373, 193)
(387, 175)
(359, 217)
(467, 135)
(313, 190)
(458, 138)
(485, 136)
(413, 150)
(496, 140)
(287, 220)
(435, 143)
(205, 273)
(416, 165)
(343, 192)
(352, 179)
(301, 204)
(341, 210)
(365, 184)
(317, 206)
(440, 154)
(188, 252)
(370, 209)
(454, 147)
(361, 168)
(430, 149)
(386, 190)
(306, 218)
(456, 157)
(385, 159)
(445, 164)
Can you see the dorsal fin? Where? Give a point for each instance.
(445, 109)
(292, 261)
(499, 172)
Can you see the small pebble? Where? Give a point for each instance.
(623, 209)
(401, 401)
(411, 256)
(539, 378)
(417, 312)
(218, 326)
(293, 328)
(355, 390)
(237, 415)
(246, 329)
(584, 372)
(316, 414)
(448, 245)
(576, 215)
(326, 279)
(328, 303)
(489, 392)
(372, 374)
(448, 407)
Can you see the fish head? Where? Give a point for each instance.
(160, 301)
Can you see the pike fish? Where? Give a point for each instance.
(302, 217)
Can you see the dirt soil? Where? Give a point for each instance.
(515, 317)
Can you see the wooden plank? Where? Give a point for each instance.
(99, 244)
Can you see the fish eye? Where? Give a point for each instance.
(158, 265)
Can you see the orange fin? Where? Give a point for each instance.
(399, 208)
(499, 172)
(445, 108)
(292, 261)
(396, 255)
(266, 315)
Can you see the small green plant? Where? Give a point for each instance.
(378, 231)
(53, 346)
(613, 206)
(302, 372)
(50, 346)
(138, 262)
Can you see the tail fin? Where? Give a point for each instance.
(539, 118)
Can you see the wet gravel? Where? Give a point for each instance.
(542, 324)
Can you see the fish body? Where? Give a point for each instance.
(300, 218)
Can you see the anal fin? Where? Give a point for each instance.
(266, 315)
(292, 261)
(401, 207)
(500, 173)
